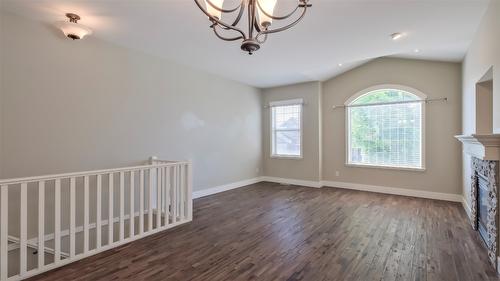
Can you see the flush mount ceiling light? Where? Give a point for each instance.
(260, 15)
(396, 36)
(72, 29)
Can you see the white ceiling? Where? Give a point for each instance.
(350, 32)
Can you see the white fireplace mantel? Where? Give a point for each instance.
(484, 147)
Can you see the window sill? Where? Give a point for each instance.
(385, 167)
(290, 157)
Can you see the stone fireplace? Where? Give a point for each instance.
(483, 206)
(484, 152)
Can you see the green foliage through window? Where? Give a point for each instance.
(387, 134)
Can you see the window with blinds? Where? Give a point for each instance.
(385, 129)
(286, 131)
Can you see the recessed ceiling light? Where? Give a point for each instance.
(396, 36)
(340, 64)
(416, 51)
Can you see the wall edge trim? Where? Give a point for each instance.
(224, 187)
(395, 191)
(315, 184)
(343, 185)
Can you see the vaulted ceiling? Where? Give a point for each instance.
(347, 32)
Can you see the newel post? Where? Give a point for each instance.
(190, 190)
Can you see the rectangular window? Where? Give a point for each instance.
(286, 128)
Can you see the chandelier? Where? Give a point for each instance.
(260, 18)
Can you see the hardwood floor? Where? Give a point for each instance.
(272, 232)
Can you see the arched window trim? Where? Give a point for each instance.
(410, 90)
(354, 97)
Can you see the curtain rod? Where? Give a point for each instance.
(388, 103)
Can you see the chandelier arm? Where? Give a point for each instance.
(219, 22)
(261, 41)
(214, 27)
(284, 27)
(238, 18)
(257, 27)
(220, 9)
(299, 5)
(240, 14)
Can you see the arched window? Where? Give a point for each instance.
(385, 127)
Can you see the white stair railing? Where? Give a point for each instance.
(49, 221)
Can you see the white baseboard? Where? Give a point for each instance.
(226, 187)
(315, 184)
(395, 191)
(345, 185)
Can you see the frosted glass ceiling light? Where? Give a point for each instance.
(72, 29)
(260, 16)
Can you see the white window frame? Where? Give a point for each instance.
(410, 90)
(272, 130)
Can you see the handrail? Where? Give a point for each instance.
(88, 173)
(129, 203)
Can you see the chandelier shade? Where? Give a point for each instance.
(267, 7)
(260, 14)
(211, 8)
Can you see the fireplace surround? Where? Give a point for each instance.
(484, 154)
(485, 170)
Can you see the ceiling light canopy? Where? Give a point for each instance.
(260, 15)
(72, 29)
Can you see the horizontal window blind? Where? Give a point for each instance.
(286, 130)
(386, 135)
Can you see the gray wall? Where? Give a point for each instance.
(84, 105)
(1, 91)
(483, 53)
(436, 80)
(324, 128)
(307, 168)
(71, 106)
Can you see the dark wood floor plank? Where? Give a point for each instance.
(273, 232)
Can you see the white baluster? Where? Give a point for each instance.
(163, 198)
(141, 203)
(41, 224)
(174, 195)
(158, 198)
(86, 210)
(24, 223)
(150, 205)
(57, 221)
(132, 209)
(166, 177)
(72, 217)
(122, 203)
(162, 186)
(167, 195)
(182, 191)
(4, 231)
(98, 212)
(110, 210)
